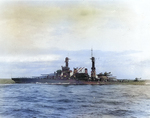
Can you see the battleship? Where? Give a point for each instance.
(79, 76)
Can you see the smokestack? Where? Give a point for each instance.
(86, 71)
(75, 71)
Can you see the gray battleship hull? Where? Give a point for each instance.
(57, 81)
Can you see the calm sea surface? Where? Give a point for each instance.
(74, 101)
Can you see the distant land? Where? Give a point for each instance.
(6, 81)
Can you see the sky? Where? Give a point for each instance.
(37, 35)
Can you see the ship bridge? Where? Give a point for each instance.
(66, 69)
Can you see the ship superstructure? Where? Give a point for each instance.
(65, 75)
(66, 69)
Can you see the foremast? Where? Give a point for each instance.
(93, 69)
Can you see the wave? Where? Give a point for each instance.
(65, 101)
(121, 112)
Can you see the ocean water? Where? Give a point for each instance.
(74, 101)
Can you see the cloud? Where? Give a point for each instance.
(33, 26)
(29, 59)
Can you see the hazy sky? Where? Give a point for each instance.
(36, 36)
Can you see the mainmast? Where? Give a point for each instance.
(91, 53)
(93, 73)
